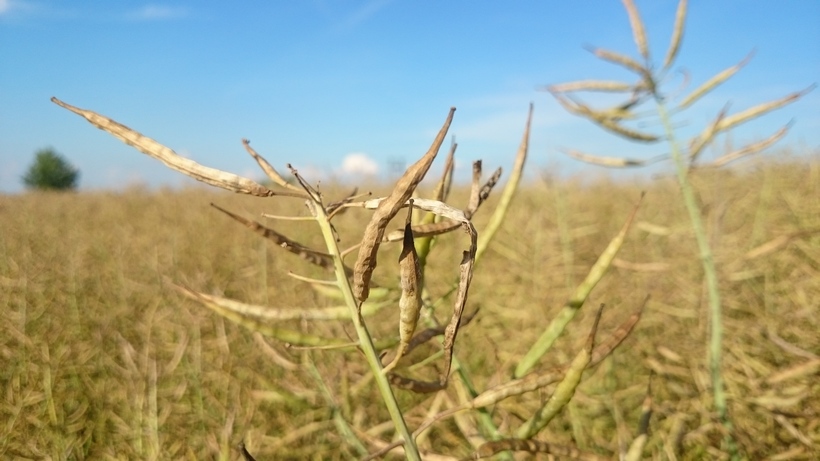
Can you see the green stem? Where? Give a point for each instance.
(365, 341)
(485, 419)
(709, 270)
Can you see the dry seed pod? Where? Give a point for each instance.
(628, 133)
(591, 85)
(677, 35)
(760, 109)
(778, 243)
(637, 28)
(425, 335)
(749, 149)
(268, 168)
(388, 207)
(699, 142)
(266, 313)
(712, 83)
(465, 270)
(228, 311)
(606, 119)
(620, 59)
(614, 162)
(414, 385)
(442, 189)
(572, 106)
(148, 146)
(411, 286)
(321, 259)
(443, 227)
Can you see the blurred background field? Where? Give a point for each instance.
(101, 360)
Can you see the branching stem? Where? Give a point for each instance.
(365, 341)
(709, 270)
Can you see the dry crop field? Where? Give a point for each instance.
(101, 359)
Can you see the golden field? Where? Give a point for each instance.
(101, 359)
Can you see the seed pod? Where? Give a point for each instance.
(373, 233)
(677, 34)
(613, 162)
(171, 159)
(637, 28)
(710, 84)
(591, 85)
(410, 301)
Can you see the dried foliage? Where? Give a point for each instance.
(103, 360)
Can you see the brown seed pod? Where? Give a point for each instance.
(388, 207)
(411, 286)
(171, 159)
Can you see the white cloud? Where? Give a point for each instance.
(155, 12)
(359, 163)
(5, 6)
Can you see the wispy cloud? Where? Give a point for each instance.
(8, 6)
(157, 12)
(362, 14)
(507, 125)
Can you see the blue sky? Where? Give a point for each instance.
(317, 82)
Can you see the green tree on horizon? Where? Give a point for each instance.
(51, 171)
